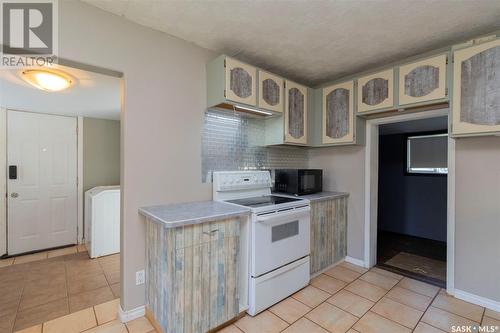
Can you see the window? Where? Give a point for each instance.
(427, 154)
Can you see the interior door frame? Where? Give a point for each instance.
(371, 190)
(3, 179)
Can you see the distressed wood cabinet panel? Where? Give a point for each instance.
(271, 92)
(476, 89)
(338, 113)
(328, 232)
(241, 82)
(376, 91)
(192, 282)
(423, 81)
(295, 113)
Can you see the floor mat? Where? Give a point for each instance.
(420, 265)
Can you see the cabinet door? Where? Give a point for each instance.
(224, 280)
(241, 81)
(476, 89)
(423, 81)
(295, 113)
(376, 91)
(270, 92)
(338, 113)
(328, 232)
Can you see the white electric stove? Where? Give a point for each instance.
(279, 235)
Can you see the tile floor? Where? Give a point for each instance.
(102, 318)
(39, 287)
(346, 298)
(351, 299)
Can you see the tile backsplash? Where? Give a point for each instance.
(234, 142)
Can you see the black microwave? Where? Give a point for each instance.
(298, 181)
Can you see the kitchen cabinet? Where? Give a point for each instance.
(476, 89)
(192, 280)
(295, 113)
(232, 85)
(270, 92)
(328, 232)
(423, 81)
(338, 113)
(376, 92)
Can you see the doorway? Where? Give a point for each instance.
(412, 198)
(41, 182)
(371, 189)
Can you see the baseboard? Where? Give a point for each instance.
(354, 261)
(313, 275)
(126, 316)
(478, 300)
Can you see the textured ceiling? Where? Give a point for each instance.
(315, 41)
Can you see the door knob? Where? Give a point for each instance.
(14, 195)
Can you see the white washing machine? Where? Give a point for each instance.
(102, 220)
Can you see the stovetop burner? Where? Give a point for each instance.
(262, 201)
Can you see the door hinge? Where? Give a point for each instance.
(446, 91)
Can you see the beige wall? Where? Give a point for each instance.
(343, 170)
(101, 152)
(165, 97)
(477, 222)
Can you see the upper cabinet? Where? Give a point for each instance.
(423, 81)
(295, 113)
(338, 113)
(241, 82)
(476, 89)
(270, 92)
(376, 91)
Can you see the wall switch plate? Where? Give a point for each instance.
(140, 277)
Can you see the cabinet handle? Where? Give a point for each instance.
(210, 232)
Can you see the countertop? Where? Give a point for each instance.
(325, 195)
(182, 214)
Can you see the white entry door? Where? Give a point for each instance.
(42, 199)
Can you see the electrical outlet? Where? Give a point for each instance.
(140, 277)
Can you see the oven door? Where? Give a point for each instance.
(279, 239)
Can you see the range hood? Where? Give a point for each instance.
(249, 111)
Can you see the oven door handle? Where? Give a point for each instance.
(283, 217)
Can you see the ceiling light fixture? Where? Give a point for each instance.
(48, 80)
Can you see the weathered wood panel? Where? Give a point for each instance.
(480, 88)
(328, 232)
(296, 111)
(375, 91)
(421, 81)
(337, 117)
(241, 82)
(192, 282)
(271, 92)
